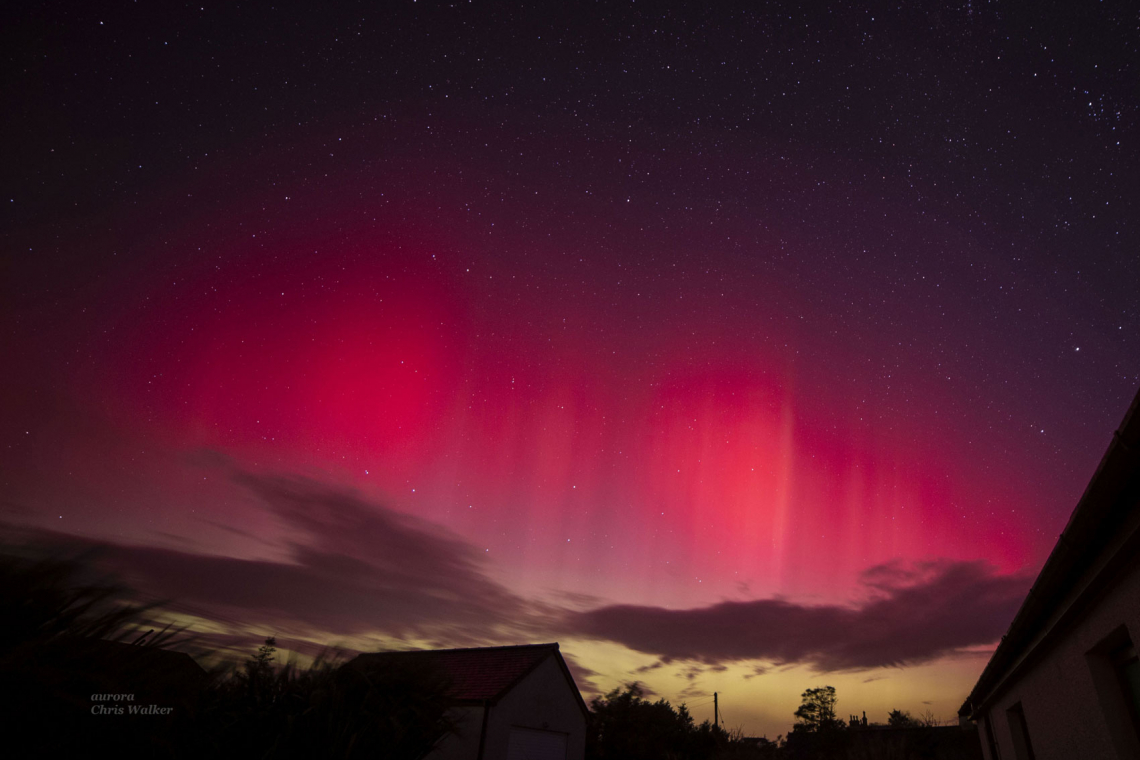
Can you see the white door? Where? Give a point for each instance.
(533, 744)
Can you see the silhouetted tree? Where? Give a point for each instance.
(623, 725)
(68, 635)
(817, 710)
(900, 719)
(817, 731)
(928, 719)
(397, 710)
(46, 600)
(262, 662)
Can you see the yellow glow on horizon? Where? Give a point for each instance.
(763, 704)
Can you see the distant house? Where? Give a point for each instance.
(1065, 681)
(509, 703)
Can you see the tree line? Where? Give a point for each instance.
(624, 725)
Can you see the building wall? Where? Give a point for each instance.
(1060, 701)
(543, 700)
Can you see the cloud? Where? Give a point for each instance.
(692, 691)
(651, 666)
(647, 691)
(690, 673)
(913, 614)
(415, 574)
(354, 567)
(757, 670)
(583, 676)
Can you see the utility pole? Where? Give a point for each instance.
(716, 711)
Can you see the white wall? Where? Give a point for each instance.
(1063, 709)
(542, 700)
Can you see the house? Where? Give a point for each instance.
(508, 703)
(1065, 681)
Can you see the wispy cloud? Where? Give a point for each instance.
(649, 667)
(583, 675)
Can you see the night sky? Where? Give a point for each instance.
(738, 350)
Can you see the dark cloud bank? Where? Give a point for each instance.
(358, 567)
(912, 617)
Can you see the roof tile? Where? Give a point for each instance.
(475, 674)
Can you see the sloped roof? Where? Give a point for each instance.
(478, 674)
